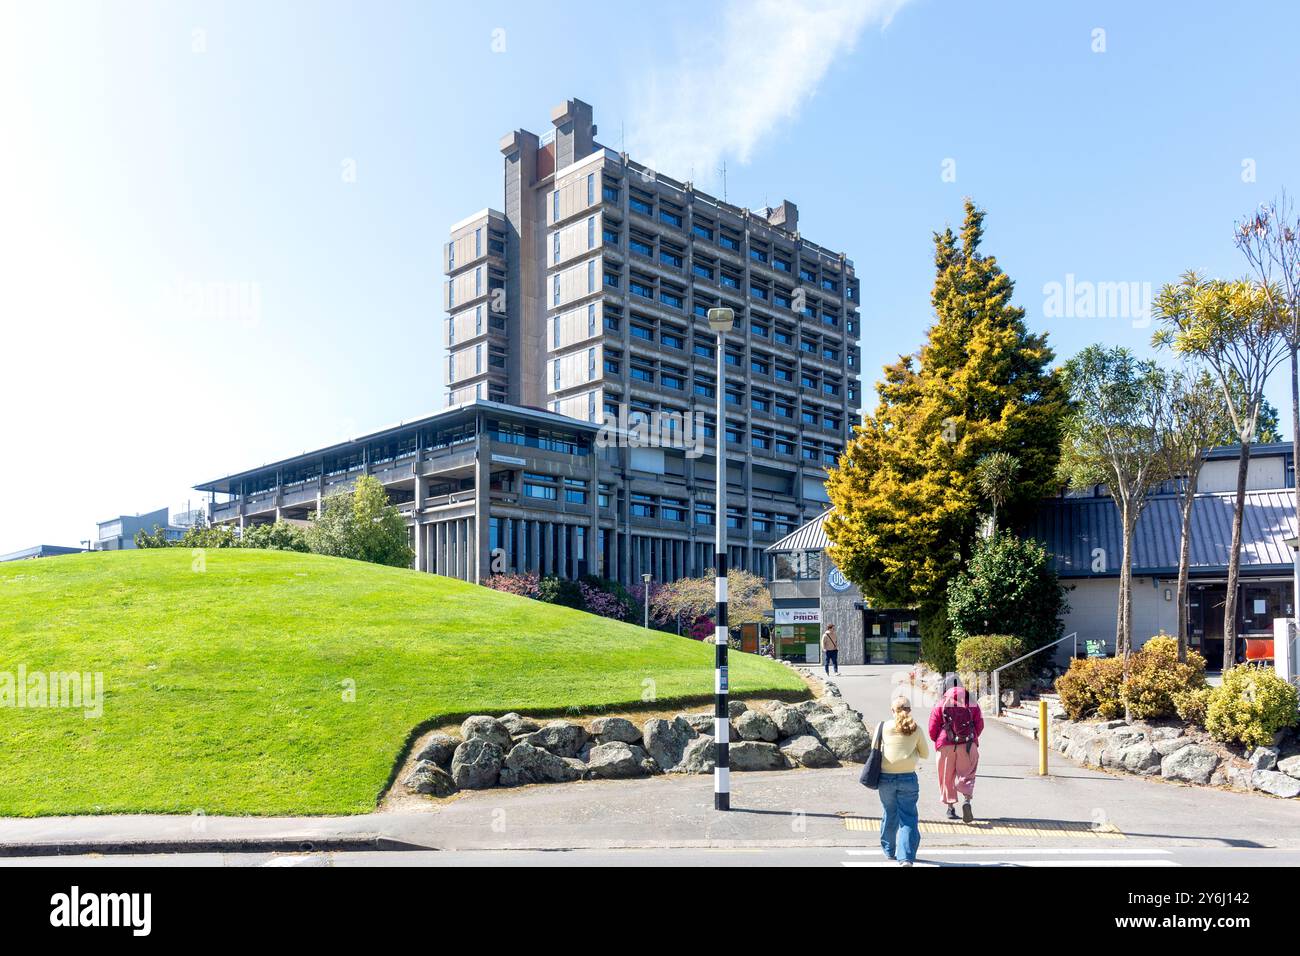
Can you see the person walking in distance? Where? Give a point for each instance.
(955, 727)
(830, 650)
(901, 744)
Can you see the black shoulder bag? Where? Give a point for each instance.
(871, 769)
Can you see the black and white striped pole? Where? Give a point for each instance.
(721, 321)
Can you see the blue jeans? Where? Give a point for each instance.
(899, 835)
(832, 659)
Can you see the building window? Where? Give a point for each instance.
(591, 232)
(478, 242)
(591, 364)
(591, 188)
(478, 281)
(478, 359)
(640, 205)
(555, 206)
(703, 230)
(609, 193)
(555, 332)
(478, 320)
(451, 330)
(555, 246)
(591, 318)
(641, 289)
(555, 290)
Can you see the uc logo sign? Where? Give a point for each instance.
(837, 580)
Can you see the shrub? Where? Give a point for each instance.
(521, 585)
(361, 524)
(937, 649)
(1190, 705)
(279, 536)
(1091, 688)
(562, 591)
(210, 536)
(601, 598)
(985, 653)
(1008, 585)
(1250, 706)
(1155, 675)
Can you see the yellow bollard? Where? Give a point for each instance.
(1042, 738)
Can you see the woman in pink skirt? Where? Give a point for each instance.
(955, 727)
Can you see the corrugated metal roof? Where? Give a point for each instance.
(808, 537)
(1072, 528)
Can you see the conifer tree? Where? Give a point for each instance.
(906, 496)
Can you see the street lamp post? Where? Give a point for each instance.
(645, 584)
(721, 321)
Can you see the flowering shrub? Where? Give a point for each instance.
(523, 585)
(702, 629)
(602, 602)
(1250, 706)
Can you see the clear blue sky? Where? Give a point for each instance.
(154, 152)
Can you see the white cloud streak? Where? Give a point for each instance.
(733, 86)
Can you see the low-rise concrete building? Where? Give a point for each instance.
(118, 534)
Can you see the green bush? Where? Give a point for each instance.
(1008, 586)
(1091, 688)
(984, 653)
(1250, 706)
(278, 536)
(1190, 705)
(555, 590)
(937, 648)
(1155, 675)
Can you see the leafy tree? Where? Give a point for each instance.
(1236, 328)
(1113, 436)
(210, 536)
(561, 591)
(906, 497)
(362, 525)
(1194, 419)
(278, 536)
(155, 539)
(748, 598)
(1008, 587)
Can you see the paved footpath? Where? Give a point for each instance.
(1019, 814)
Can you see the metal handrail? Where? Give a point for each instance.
(997, 683)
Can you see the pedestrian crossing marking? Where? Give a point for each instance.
(1013, 828)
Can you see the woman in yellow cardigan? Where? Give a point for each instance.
(901, 744)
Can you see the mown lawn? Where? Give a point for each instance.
(227, 689)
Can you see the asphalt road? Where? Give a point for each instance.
(1098, 857)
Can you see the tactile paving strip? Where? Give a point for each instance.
(1027, 829)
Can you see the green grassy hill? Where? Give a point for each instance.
(225, 689)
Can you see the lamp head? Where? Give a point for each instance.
(721, 320)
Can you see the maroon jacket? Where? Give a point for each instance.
(955, 697)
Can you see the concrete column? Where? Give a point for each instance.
(421, 552)
(535, 546)
(520, 556)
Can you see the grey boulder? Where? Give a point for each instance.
(842, 733)
(616, 760)
(517, 726)
(755, 755)
(1139, 758)
(615, 729)
(1278, 784)
(486, 728)
(700, 756)
(439, 749)
(755, 725)
(428, 778)
(1263, 758)
(529, 764)
(476, 765)
(1190, 763)
(1290, 766)
(666, 740)
(807, 751)
(789, 722)
(700, 723)
(559, 737)
(735, 708)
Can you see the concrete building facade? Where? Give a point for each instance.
(582, 383)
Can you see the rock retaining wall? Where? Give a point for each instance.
(514, 750)
(1180, 753)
